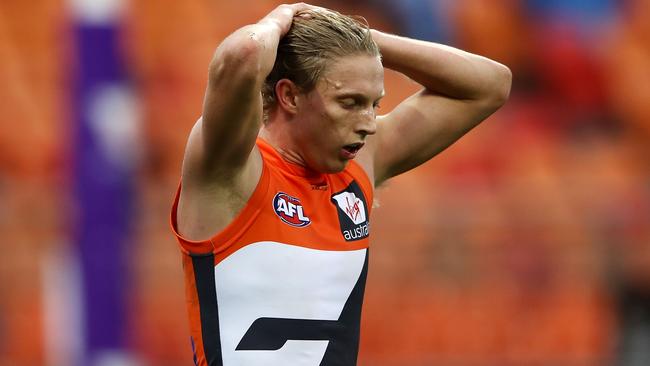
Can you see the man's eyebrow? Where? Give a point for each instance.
(357, 95)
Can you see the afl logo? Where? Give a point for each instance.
(289, 210)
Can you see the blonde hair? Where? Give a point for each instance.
(314, 40)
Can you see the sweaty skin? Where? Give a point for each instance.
(340, 111)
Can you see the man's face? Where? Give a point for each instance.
(340, 112)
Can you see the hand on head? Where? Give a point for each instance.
(283, 15)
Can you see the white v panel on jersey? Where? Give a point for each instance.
(265, 286)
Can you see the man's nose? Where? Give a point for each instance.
(368, 122)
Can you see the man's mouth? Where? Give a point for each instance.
(353, 148)
(350, 151)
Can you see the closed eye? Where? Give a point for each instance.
(348, 102)
(358, 101)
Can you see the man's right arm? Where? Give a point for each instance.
(221, 161)
(221, 142)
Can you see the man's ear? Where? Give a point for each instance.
(287, 93)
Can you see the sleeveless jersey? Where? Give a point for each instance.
(283, 283)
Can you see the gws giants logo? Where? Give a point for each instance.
(289, 210)
(353, 213)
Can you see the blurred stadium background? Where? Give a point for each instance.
(526, 243)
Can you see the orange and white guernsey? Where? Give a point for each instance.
(283, 283)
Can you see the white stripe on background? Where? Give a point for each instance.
(97, 11)
(62, 308)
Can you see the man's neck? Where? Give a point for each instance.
(274, 134)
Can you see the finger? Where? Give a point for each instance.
(301, 7)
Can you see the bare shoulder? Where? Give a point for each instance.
(209, 202)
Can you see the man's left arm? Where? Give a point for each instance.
(460, 90)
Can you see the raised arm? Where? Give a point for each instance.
(221, 141)
(460, 90)
(221, 166)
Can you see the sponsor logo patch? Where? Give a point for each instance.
(352, 206)
(353, 212)
(289, 210)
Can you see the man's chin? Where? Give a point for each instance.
(333, 168)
